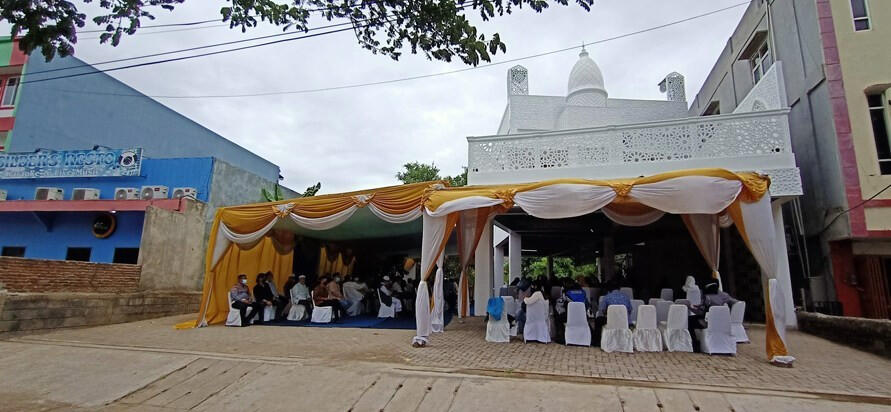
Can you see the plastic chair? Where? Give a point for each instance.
(737, 313)
(297, 312)
(628, 292)
(652, 301)
(234, 318)
(536, 327)
(667, 294)
(578, 332)
(716, 338)
(321, 314)
(616, 336)
(675, 334)
(635, 304)
(646, 336)
(498, 330)
(694, 296)
(268, 313)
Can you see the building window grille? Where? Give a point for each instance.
(860, 12)
(13, 251)
(10, 89)
(81, 254)
(129, 255)
(880, 131)
(761, 61)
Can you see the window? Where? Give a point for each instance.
(9, 92)
(880, 131)
(860, 11)
(78, 253)
(126, 255)
(712, 109)
(761, 61)
(13, 251)
(3, 137)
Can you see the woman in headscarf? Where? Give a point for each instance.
(689, 284)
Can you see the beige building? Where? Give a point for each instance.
(836, 66)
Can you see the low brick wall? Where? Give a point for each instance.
(870, 335)
(46, 276)
(34, 312)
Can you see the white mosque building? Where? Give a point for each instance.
(586, 134)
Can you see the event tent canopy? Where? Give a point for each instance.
(259, 237)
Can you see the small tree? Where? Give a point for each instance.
(416, 172)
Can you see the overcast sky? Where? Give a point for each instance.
(359, 138)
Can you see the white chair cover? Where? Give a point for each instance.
(388, 311)
(234, 318)
(536, 327)
(355, 297)
(662, 307)
(589, 295)
(646, 336)
(511, 307)
(684, 302)
(667, 294)
(578, 332)
(628, 292)
(599, 301)
(297, 312)
(268, 313)
(652, 301)
(676, 335)
(499, 330)
(716, 338)
(322, 314)
(635, 303)
(737, 313)
(616, 336)
(694, 295)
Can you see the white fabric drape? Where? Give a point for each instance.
(758, 222)
(464, 203)
(778, 307)
(324, 223)
(707, 235)
(564, 200)
(467, 230)
(431, 242)
(422, 314)
(225, 236)
(634, 220)
(391, 218)
(437, 322)
(688, 194)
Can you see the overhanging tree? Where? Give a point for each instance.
(438, 29)
(416, 172)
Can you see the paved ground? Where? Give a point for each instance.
(149, 366)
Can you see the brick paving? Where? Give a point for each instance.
(822, 366)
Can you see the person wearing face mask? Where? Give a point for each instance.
(335, 292)
(241, 300)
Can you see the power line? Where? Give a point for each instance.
(149, 33)
(304, 91)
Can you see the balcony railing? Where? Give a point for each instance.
(757, 141)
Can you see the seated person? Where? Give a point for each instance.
(354, 293)
(281, 301)
(388, 295)
(300, 294)
(241, 300)
(713, 297)
(334, 292)
(263, 294)
(320, 298)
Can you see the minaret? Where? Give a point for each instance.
(517, 81)
(673, 87)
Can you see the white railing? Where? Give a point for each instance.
(741, 142)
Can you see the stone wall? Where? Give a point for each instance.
(171, 251)
(871, 335)
(22, 313)
(38, 275)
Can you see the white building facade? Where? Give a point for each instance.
(587, 134)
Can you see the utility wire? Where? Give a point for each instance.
(303, 91)
(846, 211)
(148, 33)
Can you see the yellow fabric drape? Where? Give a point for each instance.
(261, 258)
(452, 219)
(336, 265)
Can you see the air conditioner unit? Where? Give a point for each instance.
(126, 193)
(49, 193)
(179, 192)
(2, 195)
(153, 192)
(85, 193)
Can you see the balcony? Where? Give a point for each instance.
(754, 141)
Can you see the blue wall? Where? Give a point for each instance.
(80, 112)
(68, 229)
(189, 172)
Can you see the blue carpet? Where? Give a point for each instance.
(361, 321)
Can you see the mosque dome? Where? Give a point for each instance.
(585, 85)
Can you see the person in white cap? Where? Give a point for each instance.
(388, 295)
